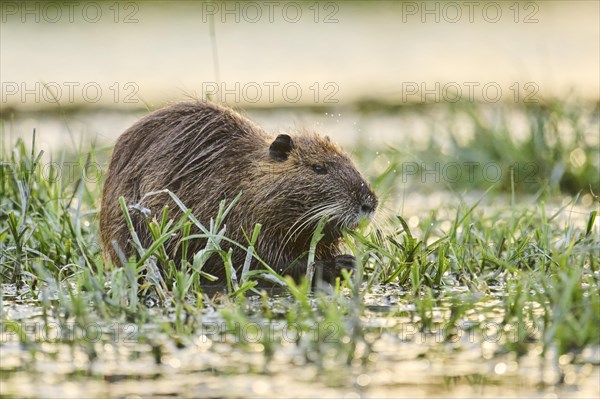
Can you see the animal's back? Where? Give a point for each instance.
(189, 148)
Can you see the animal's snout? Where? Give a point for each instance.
(367, 207)
(368, 202)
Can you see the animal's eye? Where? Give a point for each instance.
(319, 169)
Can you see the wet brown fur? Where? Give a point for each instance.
(205, 153)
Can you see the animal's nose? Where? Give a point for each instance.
(367, 199)
(369, 203)
(367, 208)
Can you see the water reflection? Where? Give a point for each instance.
(465, 359)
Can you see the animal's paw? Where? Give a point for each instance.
(344, 262)
(329, 270)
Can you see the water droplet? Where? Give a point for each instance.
(500, 368)
(363, 380)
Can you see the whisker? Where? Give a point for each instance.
(306, 218)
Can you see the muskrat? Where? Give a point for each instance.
(204, 153)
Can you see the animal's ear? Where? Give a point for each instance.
(281, 147)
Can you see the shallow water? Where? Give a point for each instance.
(395, 359)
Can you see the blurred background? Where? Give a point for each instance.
(135, 53)
(409, 76)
